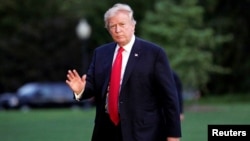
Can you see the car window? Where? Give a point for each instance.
(45, 90)
(27, 89)
(63, 91)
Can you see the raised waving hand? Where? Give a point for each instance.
(75, 82)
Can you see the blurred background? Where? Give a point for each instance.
(207, 42)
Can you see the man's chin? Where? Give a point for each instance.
(121, 41)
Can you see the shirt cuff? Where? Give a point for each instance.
(78, 96)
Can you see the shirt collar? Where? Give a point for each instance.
(128, 46)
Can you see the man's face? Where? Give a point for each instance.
(121, 28)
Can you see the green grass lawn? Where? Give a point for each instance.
(76, 125)
(197, 117)
(46, 125)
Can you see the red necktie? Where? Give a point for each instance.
(114, 87)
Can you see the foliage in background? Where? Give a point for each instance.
(179, 28)
(35, 44)
(93, 12)
(232, 17)
(38, 40)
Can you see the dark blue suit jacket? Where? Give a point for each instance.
(148, 101)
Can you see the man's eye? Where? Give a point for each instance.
(112, 26)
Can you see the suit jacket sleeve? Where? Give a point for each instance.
(168, 95)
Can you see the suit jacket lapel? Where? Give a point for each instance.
(107, 66)
(132, 61)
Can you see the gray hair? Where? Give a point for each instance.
(116, 8)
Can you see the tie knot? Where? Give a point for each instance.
(120, 50)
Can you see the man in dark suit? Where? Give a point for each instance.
(147, 107)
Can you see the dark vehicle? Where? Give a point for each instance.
(8, 101)
(45, 95)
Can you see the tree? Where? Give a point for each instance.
(35, 43)
(232, 17)
(178, 27)
(38, 39)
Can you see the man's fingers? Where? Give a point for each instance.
(76, 74)
(72, 74)
(68, 82)
(84, 77)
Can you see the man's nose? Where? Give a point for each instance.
(117, 28)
